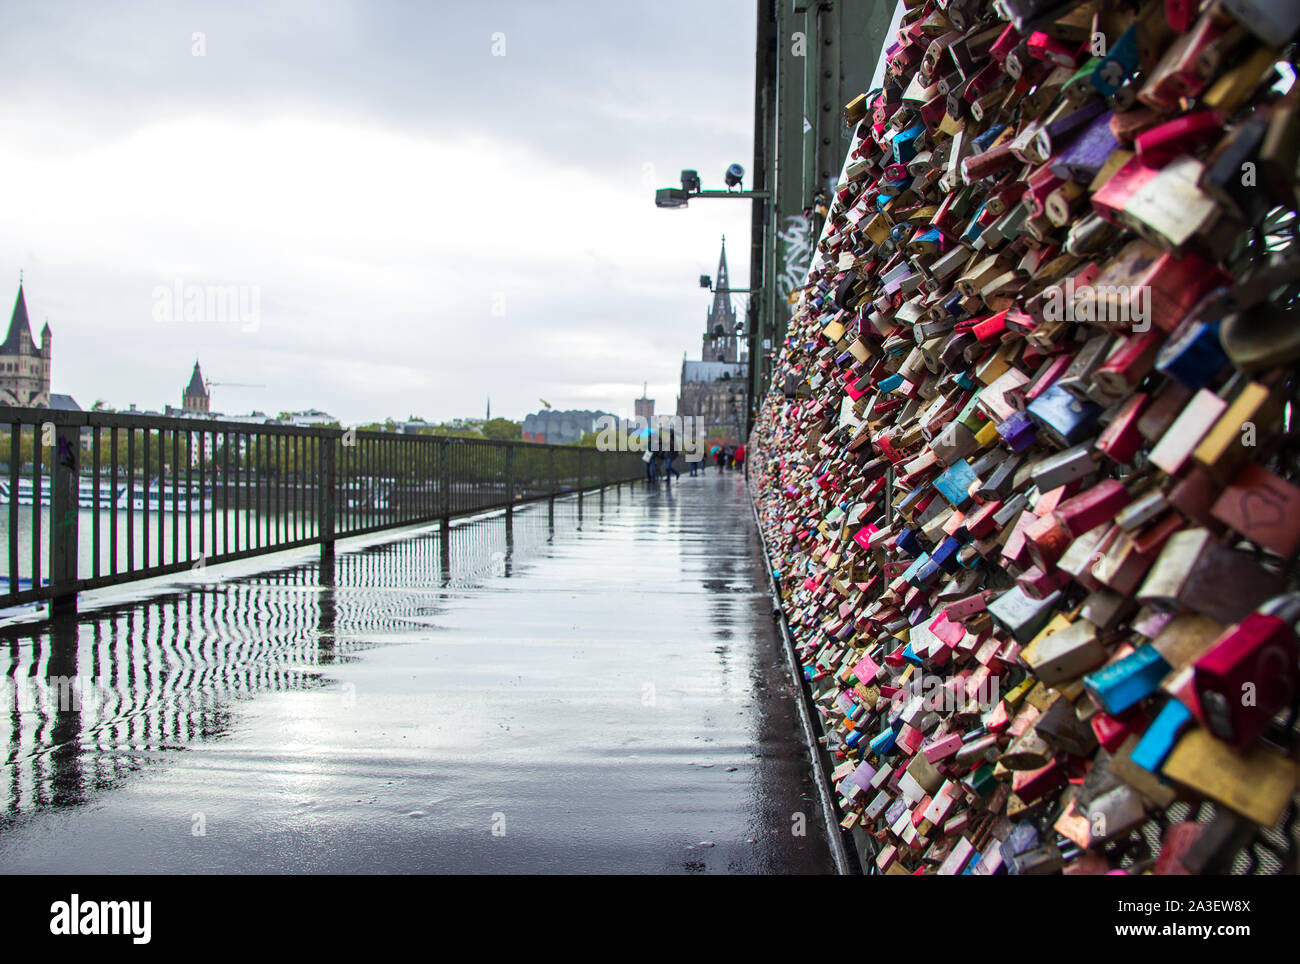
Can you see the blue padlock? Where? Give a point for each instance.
(986, 139)
(1128, 681)
(908, 541)
(954, 485)
(1067, 419)
(910, 572)
(905, 144)
(932, 236)
(927, 574)
(974, 229)
(884, 742)
(1159, 739)
(945, 556)
(1194, 355)
(1119, 63)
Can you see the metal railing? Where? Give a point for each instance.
(94, 499)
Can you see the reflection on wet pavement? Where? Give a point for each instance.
(595, 686)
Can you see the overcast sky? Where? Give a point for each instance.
(424, 202)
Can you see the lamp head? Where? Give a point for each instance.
(671, 197)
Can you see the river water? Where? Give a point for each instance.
(593, 687)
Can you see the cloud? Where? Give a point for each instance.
(423, 223)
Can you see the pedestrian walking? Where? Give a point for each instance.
(668, 452)
(669, 457)
(651, 475)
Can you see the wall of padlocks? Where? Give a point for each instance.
(1026, 475)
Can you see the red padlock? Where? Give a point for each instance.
(1249, 674)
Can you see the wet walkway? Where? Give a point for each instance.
(594, 688)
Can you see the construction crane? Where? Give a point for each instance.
(209, 385)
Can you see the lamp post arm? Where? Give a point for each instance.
(749, 194)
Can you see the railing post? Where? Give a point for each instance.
(444, 478)
(581, 477)
(554, 482)
(510, 479)
(328, 484)
(63, 519)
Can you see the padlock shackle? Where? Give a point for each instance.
(1285, 607)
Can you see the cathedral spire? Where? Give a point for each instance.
(720, 326)
(724, 280)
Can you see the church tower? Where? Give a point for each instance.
(25, 368)
(720, 342)
(194, 398)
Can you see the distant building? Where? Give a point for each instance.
(414, 426)
(194, 397)
(308, 418)
(560, 428)
(714, 388)
(25, 368)
(252, 418)
(643, 407)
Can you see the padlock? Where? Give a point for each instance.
(1193, 354)
(1064, 467)
(1177, 444)
(1158, 741)
(1121, 439)
(1182, 135)
(1257, 783)
(1262, 507)
(1195, 572)
(1250, 672)
(1187, 64)
(1066, 654)
(1121, 684)
(1223, 176)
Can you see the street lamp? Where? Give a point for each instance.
(680, 197)
(674, 197)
